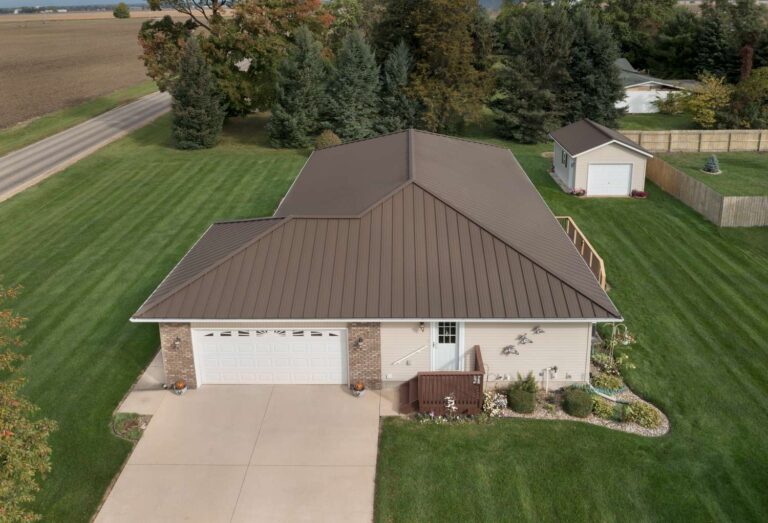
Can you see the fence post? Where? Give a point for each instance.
(730, 135)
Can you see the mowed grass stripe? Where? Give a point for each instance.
(94, 241)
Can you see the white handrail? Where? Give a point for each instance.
(409, 355)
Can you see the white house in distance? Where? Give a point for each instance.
(603, 162)
(642, 90)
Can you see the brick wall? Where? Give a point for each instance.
(179, 362)
(365, 357)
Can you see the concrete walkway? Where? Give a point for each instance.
(32, 164)
(253, 453)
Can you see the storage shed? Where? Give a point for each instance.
(598, 160)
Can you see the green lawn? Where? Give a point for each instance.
(89, 245)
(743, 174)
(34, 130)
(657, 122)
(696, 297)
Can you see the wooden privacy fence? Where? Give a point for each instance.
(585, 248)
(465, 386)
(723, 211)
(717, 141)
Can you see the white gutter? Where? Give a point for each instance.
(377, 320)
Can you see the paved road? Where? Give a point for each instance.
(32, 164)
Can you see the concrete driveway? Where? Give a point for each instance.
(252, 453)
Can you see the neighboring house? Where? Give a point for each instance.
(387, 257)
(642, 90)
(603, 162)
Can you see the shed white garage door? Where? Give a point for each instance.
(251, 356)
(609, 179)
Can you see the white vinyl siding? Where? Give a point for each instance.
(565, 345)
(611, 154)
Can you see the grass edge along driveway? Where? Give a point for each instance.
(696, 297)
(89, 245)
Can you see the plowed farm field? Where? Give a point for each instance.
(48, 65)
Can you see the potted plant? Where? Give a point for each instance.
(358, 389)
(179, 387)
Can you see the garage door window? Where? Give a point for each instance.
(270, 356)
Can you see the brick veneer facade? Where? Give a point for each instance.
(179, 362)
(365, 357)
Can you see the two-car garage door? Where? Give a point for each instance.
(609, 179)
(265, 356)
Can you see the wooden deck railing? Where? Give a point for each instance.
(466, 387)
(586, 250)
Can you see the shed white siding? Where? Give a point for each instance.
(611, 154)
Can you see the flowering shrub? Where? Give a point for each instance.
(639, 194)
(603, 408)
(642, 414)
(578, 192)
(494, 403)
(607, 381)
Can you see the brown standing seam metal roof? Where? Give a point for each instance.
(585, 134)
(456, 231)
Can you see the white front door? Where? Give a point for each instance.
(267, 356)
(609, 179)
(445, 345)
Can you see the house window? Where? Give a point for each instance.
(446, 332)
(564, 158)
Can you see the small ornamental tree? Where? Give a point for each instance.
(121, 11)
(397, 110)
(299, 94)
(327, 139)
(198, 115)
(712, 166)
(710, 100)
(353, 90)
(24, 451)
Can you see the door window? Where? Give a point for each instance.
(446, 332)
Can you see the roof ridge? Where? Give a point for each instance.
(167, 294)
(524, 254)
(459, 138)
(391, 133)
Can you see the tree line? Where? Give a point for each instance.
(358, 68)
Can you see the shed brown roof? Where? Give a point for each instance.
(450, 229)
(585, 135)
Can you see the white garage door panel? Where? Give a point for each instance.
(609, 179)
(270, 356)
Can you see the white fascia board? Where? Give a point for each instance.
(656, 83)
(379, 320)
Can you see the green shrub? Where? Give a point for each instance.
(527, 384)
(607, 381)
(603, 408)
(121, 11)
(578, 402)
(521, 401)
(642, 414)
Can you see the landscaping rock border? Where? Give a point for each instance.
(626, 396)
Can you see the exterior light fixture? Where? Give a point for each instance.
(359, 343)
(538, 330)
(177, 343)
(509, 349)
(421, 326)
(523, 339)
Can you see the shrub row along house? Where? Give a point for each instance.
(387, 257)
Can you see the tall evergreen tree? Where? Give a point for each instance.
(714, 44)
(198, 115)
(397, 111)
(353, 90)
(595, 85)
(532, 80)
(299, 94)
(450, 68)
